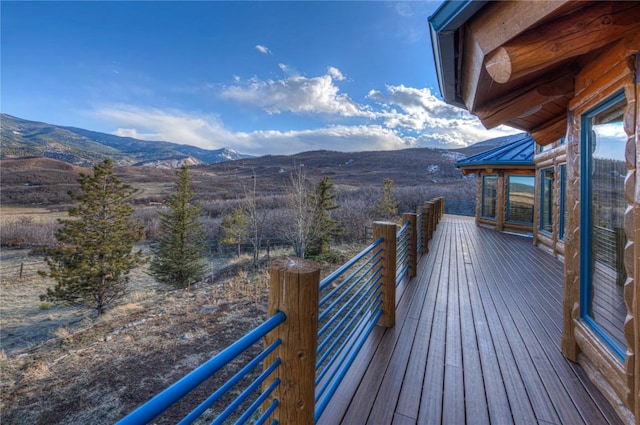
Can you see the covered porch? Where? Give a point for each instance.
(477, 340)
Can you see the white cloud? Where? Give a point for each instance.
(263, 49)
(335, 73)
(166, 125)
(208, 132)
(297, 94)
(436, 123)
(397, 118)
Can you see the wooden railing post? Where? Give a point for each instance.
(387, 231)
(294, 290)
(413, 242)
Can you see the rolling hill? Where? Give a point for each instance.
(22, 138)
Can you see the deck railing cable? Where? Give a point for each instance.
(158, 404)
(348, 312)
(347, 304)
(402, 252)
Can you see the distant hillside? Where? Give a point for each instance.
(43, 180)
(22, 138)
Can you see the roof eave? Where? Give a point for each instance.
(444, 24)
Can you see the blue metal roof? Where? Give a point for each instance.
(518, 152)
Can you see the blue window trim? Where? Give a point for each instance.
(482, 214)
(563, 206)
(506, 218)
(542, 203)
(586, 220)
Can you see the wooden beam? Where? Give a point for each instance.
(528, 99)
(569, 36)
(491, 27)
(550, 132)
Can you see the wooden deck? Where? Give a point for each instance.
(476, 341)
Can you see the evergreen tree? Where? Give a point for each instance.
(234, 229)
(92, 262)
(387, 206)
(325, 228)
(179, 249)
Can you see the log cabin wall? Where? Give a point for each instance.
(552, 157)
(501, 221)
(611, 72)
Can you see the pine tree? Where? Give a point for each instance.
(92, 262)
(180, 247)
(234, 229)
(387, 206)
(325, 228)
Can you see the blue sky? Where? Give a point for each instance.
(259, 77)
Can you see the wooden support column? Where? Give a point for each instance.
(294, 290)
(387, 231)
(634, 148)
(413, 242)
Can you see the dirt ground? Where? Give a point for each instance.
(61, 365)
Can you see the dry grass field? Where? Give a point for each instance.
(63, 365)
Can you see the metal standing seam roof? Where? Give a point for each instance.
(519, 152)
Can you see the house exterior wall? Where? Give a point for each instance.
(601, 78)
(500, 223)
(554, 159)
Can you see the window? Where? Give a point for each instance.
(602, 240)
(520, 199)
(489, 193)
(563, 208)
(544, 148)
(546, 201)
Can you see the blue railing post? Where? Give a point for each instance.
(413, 242)
(294, 290)
(387, 231)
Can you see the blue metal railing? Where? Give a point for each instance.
(181, 388)
(402, 252)
(349, 309)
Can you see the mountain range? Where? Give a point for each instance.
(22, 138)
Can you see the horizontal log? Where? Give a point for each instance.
(550, 132)
(569, 36)
(523, 102)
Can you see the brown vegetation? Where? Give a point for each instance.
(62, 366)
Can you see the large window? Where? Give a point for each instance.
(520, 199)
(546, 201)
(489, 193)
(603, 171)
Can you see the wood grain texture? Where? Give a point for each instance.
(294, 290)
(476, 341)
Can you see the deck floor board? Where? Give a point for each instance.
(477, 341)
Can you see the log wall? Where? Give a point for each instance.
(605, 75)
(500, 222)
(553, 158)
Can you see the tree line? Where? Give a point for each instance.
(94, 254)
